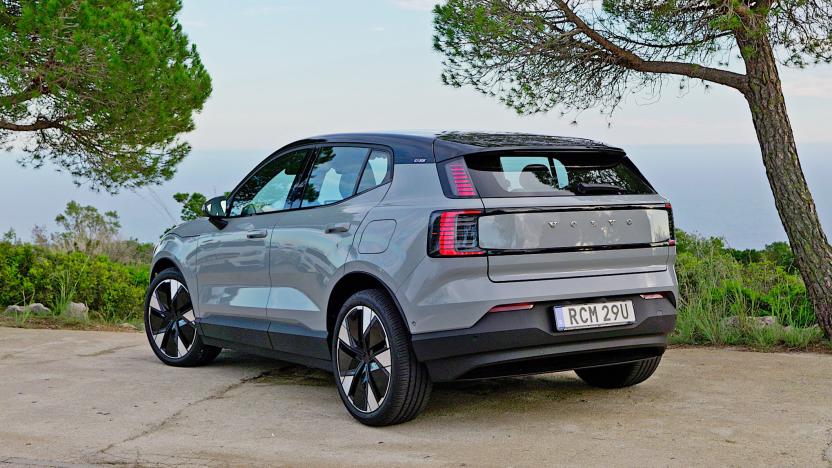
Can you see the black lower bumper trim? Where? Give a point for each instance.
(563, 362)
(525, 342)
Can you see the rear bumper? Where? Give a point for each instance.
(526, 342)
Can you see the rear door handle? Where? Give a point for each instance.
(340, 227)
(257, 234)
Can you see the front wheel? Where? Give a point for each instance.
(169, 323)
(378, 377)
(620, 375)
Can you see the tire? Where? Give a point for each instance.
(169, 323)
(356, 348)
(620, 375)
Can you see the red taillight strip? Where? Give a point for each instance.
(447, 233)
(510, 307)
(462, 184)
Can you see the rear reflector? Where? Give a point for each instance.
(454, 234)
(652, 296)
(510, 307)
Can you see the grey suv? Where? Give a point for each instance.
(398, 260)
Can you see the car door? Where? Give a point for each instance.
(310, 244)
(233, 262)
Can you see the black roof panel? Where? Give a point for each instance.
(410, 146)
(495, 140)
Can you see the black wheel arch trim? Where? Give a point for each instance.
(163, 263)
(375, 277)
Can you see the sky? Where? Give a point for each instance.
(288, 69)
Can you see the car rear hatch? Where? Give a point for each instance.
(550, 214)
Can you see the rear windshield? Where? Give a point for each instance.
(535, 175)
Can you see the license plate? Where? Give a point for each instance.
(598, 314)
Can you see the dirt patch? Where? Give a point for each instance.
(704, 406)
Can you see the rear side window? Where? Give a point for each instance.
(335, 175)
(535, 175)
(377, 170)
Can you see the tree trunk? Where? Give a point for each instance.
(792, 198)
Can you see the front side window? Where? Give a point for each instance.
(335, 175)
(268, 189)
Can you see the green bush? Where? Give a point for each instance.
(113, 291)
(716, 283)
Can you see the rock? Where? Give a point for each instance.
(38, 309)
(128, 326)
(766, 321)
(14, 310)
(77, 310)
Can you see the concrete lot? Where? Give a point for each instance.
(69, 397)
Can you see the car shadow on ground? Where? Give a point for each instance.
(498, 394)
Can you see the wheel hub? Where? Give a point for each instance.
(171, 318)
(363, 359)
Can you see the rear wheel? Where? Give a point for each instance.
(169, 322)
(378, 377)
(620, 375)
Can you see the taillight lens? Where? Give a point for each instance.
(669, 209)
(459, 183)
(454, 234)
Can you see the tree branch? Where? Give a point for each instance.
(39, 124)
(655, 45)
(31, 92)
(627, 59)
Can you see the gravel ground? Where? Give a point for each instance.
(85, 398)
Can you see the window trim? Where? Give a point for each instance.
(370, 147)
(388, 176)
(311, 149)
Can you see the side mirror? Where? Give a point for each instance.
(215, 210)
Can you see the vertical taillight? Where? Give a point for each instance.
(459, 183)
(454, 234)
(669, 209)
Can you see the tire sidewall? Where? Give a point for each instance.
(364, 298)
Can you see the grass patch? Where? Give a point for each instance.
(65, 323)
(716, 284)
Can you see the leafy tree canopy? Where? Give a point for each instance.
(100, 88)
(580, 54)
(191, 204)
(85, 229)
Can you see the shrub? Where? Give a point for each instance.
(716, 283)
(113, 291)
